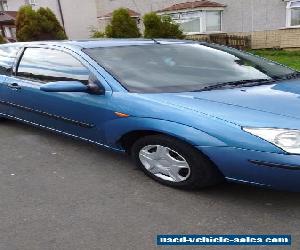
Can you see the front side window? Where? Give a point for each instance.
(293, 13)
(198, 21)
(48, 65)
(182, 67)
(8, 55)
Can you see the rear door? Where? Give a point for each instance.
(78, 114)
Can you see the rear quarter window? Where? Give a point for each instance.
(8, 55)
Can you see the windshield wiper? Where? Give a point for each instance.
(248, 83)
(288, 76)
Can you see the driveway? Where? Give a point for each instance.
(58, 193)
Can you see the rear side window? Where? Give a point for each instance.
(8, 55)
(48, 65)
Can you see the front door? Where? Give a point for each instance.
(78, 114)
(8, 55)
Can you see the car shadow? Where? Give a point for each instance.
(252, 196)
(231, 192)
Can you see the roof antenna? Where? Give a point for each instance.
(154, 40)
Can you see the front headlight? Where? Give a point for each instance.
(286, 139)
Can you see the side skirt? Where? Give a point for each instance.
(246, 182)
(60, 132)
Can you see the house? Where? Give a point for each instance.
(204, 16)
(77, 17)
(271, 23)
(7, 25)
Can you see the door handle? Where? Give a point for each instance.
(14, 86)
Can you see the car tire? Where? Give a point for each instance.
(174, 163)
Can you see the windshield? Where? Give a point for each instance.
(182, 67)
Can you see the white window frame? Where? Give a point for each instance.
(32, 2)
(4, 5)
(202, 19)
(289, 14)
(221, 22)
(7, 32)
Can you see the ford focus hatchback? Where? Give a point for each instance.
(190, 114)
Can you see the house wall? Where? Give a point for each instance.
(79, 16)
(238, 16)
(14, 5)
(287, 38)
(253, 15)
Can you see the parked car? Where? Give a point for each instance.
(190, 114)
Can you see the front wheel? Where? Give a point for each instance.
(174, 163)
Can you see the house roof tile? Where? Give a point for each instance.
(8, 16)
(132, 13)
(193, 5)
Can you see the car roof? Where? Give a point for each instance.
(96, 43)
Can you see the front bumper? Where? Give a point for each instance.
(277, 171)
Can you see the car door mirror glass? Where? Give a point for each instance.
(64, 86)
(94, 86)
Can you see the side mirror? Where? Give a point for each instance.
(64, 86)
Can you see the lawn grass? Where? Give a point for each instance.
(289, 58)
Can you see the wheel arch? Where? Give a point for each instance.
(128, 139)
(122, 133)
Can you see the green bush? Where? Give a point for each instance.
(152, 23)
(122, 25)
(161, 27)
(2, 40)
(50, 27)
(38, 25)
(97, 33)
(27, 24)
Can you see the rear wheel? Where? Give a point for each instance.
(174, 163)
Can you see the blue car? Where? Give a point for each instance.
(190, 114)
